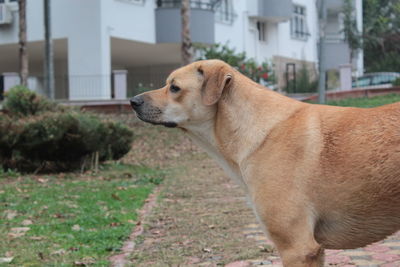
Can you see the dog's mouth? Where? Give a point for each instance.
(168, 124)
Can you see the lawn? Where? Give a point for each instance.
(71, 219)
(366, 102)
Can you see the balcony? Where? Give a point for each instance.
(270, 10)
(169, 25)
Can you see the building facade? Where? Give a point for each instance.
(93, 38)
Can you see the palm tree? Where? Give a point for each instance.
(23, 52)
(186, 40)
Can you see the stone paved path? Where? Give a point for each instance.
(384, 254)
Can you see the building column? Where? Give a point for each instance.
(120, 84)
(89, 66)
(345, 77)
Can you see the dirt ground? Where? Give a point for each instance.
(200, 216)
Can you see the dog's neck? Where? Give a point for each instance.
(246, 116)
(240, 126)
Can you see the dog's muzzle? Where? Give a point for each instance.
(148, 113)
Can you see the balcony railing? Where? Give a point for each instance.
(198, 4)
(168, 21)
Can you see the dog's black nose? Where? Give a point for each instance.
(136, 101)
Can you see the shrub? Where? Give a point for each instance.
(116, 139)
(9, 133)
(20, 101)
(249, 67)
(57, 140)
(396, 82)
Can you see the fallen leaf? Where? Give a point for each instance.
(27, 222)
(15, 235)
(114, 224)
(208, 250)
(6, 260)
(121, 188)
(36, 238)
(193, 260)
(238, 264)
(18, 232)
(114, 196)
(10, 214)
(41, 255)
(20, 229)
(131, 221)
(59, 216)
(76, 227)
(59, 252)
(42, 180)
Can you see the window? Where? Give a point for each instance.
(298, 23)
(261, 31)
(224, 12)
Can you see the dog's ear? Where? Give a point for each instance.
(215, 81)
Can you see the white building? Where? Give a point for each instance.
(93, 38)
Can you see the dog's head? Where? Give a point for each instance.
(189, 97)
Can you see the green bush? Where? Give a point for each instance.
(116, 139)
(20, 101)
(52, 139)
(249, 67)
(396, 82)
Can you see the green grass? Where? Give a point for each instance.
(75, 218)
(366, 102)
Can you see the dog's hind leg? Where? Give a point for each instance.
(293, 234)
(298, 249)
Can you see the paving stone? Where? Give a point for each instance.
(238, 264)
(376, 248)
(391, 243)
(333, 251)
(337, 259)
(386, 257)
(358, 253)
(367, 257)
(261, 262)
(370, 263)
(393, 264)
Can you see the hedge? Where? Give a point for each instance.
(37, 134)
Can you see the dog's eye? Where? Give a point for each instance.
(174, 89)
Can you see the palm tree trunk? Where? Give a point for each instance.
(23, 52)
(186, 40)
(49, 54)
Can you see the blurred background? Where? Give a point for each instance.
(114, 49)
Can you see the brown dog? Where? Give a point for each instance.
(318, 176)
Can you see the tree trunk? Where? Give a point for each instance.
(186, 40)
(49, 61)
(23, 52)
